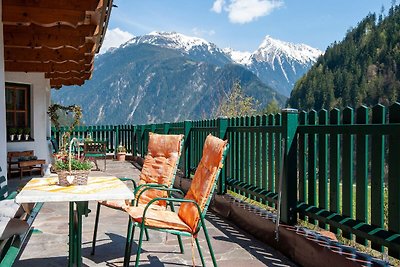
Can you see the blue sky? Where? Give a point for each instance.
(242, 24)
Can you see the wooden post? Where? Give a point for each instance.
(289, 182)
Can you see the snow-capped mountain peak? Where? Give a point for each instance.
(271, 48)
(239, 57)
(277, 63)
(173, 40)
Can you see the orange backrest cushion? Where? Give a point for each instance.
(203, 180)
(160, 163)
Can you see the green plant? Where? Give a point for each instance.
(121, 149)
(27, 130)
(237, 104)
(12, 131)
(54, 117)
(62, 164)
(20, 130)
(88, 137)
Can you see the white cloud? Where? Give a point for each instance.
(217, 6)
(244, 11)
(114, 38)
(201, 32)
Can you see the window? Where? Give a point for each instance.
(18, 106)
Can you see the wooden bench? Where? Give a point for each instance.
(15, 165)
(11, 247)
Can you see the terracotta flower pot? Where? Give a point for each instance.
(121, 156)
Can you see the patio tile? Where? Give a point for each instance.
(48, 246)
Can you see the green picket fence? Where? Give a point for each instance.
(340, 168)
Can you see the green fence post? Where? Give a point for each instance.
(133, 140)
(289, 182)
(153, 128)
(393, 177)
(116, 129)
(222, 126)
(187, 125)
(166, 127)
(139, 139)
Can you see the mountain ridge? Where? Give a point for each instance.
(143, 83)
(277, 63)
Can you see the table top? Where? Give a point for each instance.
(98, 188)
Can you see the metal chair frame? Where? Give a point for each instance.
(201, 225)
(136, 189)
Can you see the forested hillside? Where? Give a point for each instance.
(364, 68)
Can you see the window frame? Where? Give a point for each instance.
(27, 110)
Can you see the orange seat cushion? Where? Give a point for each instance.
(158, 168)
(160, 164)
(203, 180)
(116, 204)
(158, 218)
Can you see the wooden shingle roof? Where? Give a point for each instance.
(57, 37)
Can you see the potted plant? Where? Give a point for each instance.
(19, 133)
(27, 132)
(71, 170)
(121, 153)
(11, 133)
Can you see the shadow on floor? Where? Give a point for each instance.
(259, 250)
(48, 262)
(106, 252)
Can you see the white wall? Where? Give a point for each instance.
(3, 137)
(40, 100)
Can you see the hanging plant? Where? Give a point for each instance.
(54, 117)
(52, 112)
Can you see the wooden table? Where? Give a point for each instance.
(98, 188)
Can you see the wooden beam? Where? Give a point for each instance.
(54, 83)
(24, 15)
(57, 4)
(58, 30)
(87, 48)
(47, 67)
(68, 75)
(46, 54)
(46, 38)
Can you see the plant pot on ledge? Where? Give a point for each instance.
(121, 153)
(121, 156)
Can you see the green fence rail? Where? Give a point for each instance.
(341, 169)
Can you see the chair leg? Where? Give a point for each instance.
(200, 252)
(139, 250)
(180, 244)
(147, 234)
(209, 244)
(96, 223)
(129, 241)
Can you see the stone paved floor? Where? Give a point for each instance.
(48, 244)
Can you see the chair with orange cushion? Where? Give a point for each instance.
(159, 169)
(190, 218)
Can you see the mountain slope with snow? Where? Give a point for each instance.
(277, 63)
(144, 83)
(196, 48)
(167, 76)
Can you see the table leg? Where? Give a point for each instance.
(75, 232)
(71, 251)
